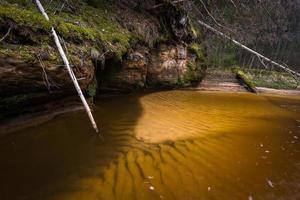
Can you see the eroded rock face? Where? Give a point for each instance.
(30, 66)
(41, 73)
(36, 75)
(134, 69)
(129, 74)
(164, 66)
(168, 65)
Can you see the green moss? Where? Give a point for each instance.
(89, 24)
(193, 74)
(96, 24)
(244, 78)
(35, 21)
(23, 52)
(180, 82)
(118, 43)
(196, 49)
(116, 38)
(266, 78)
(92, 88)
(68, 30)
(196, 31)
(192, 66)
(271, 79)
(24, 17)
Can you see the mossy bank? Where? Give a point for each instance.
(112, 46)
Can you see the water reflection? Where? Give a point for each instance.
(165, 145)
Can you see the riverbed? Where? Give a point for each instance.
(160, 145)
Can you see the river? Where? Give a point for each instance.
(163, 145)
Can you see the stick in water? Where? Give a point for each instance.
(66, 62)
(248, 49)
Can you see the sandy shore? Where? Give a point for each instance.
(219, 87)
(263, 90)
(233, 87)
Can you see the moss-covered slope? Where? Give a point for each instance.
(103, 40)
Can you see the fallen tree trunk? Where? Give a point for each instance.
(249, 50)
(70, 71)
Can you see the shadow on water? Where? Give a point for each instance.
(39, 161)
(162, 145)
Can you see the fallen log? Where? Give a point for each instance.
(67, 64)
(249, 50)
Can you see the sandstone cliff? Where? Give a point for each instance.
(112, 45)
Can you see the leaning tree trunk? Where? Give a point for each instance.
(70, 71)
(249, 50)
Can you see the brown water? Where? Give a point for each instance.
(164, 145)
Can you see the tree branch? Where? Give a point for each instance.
(249, 50)
(7, 33)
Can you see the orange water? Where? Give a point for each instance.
(163, 145)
